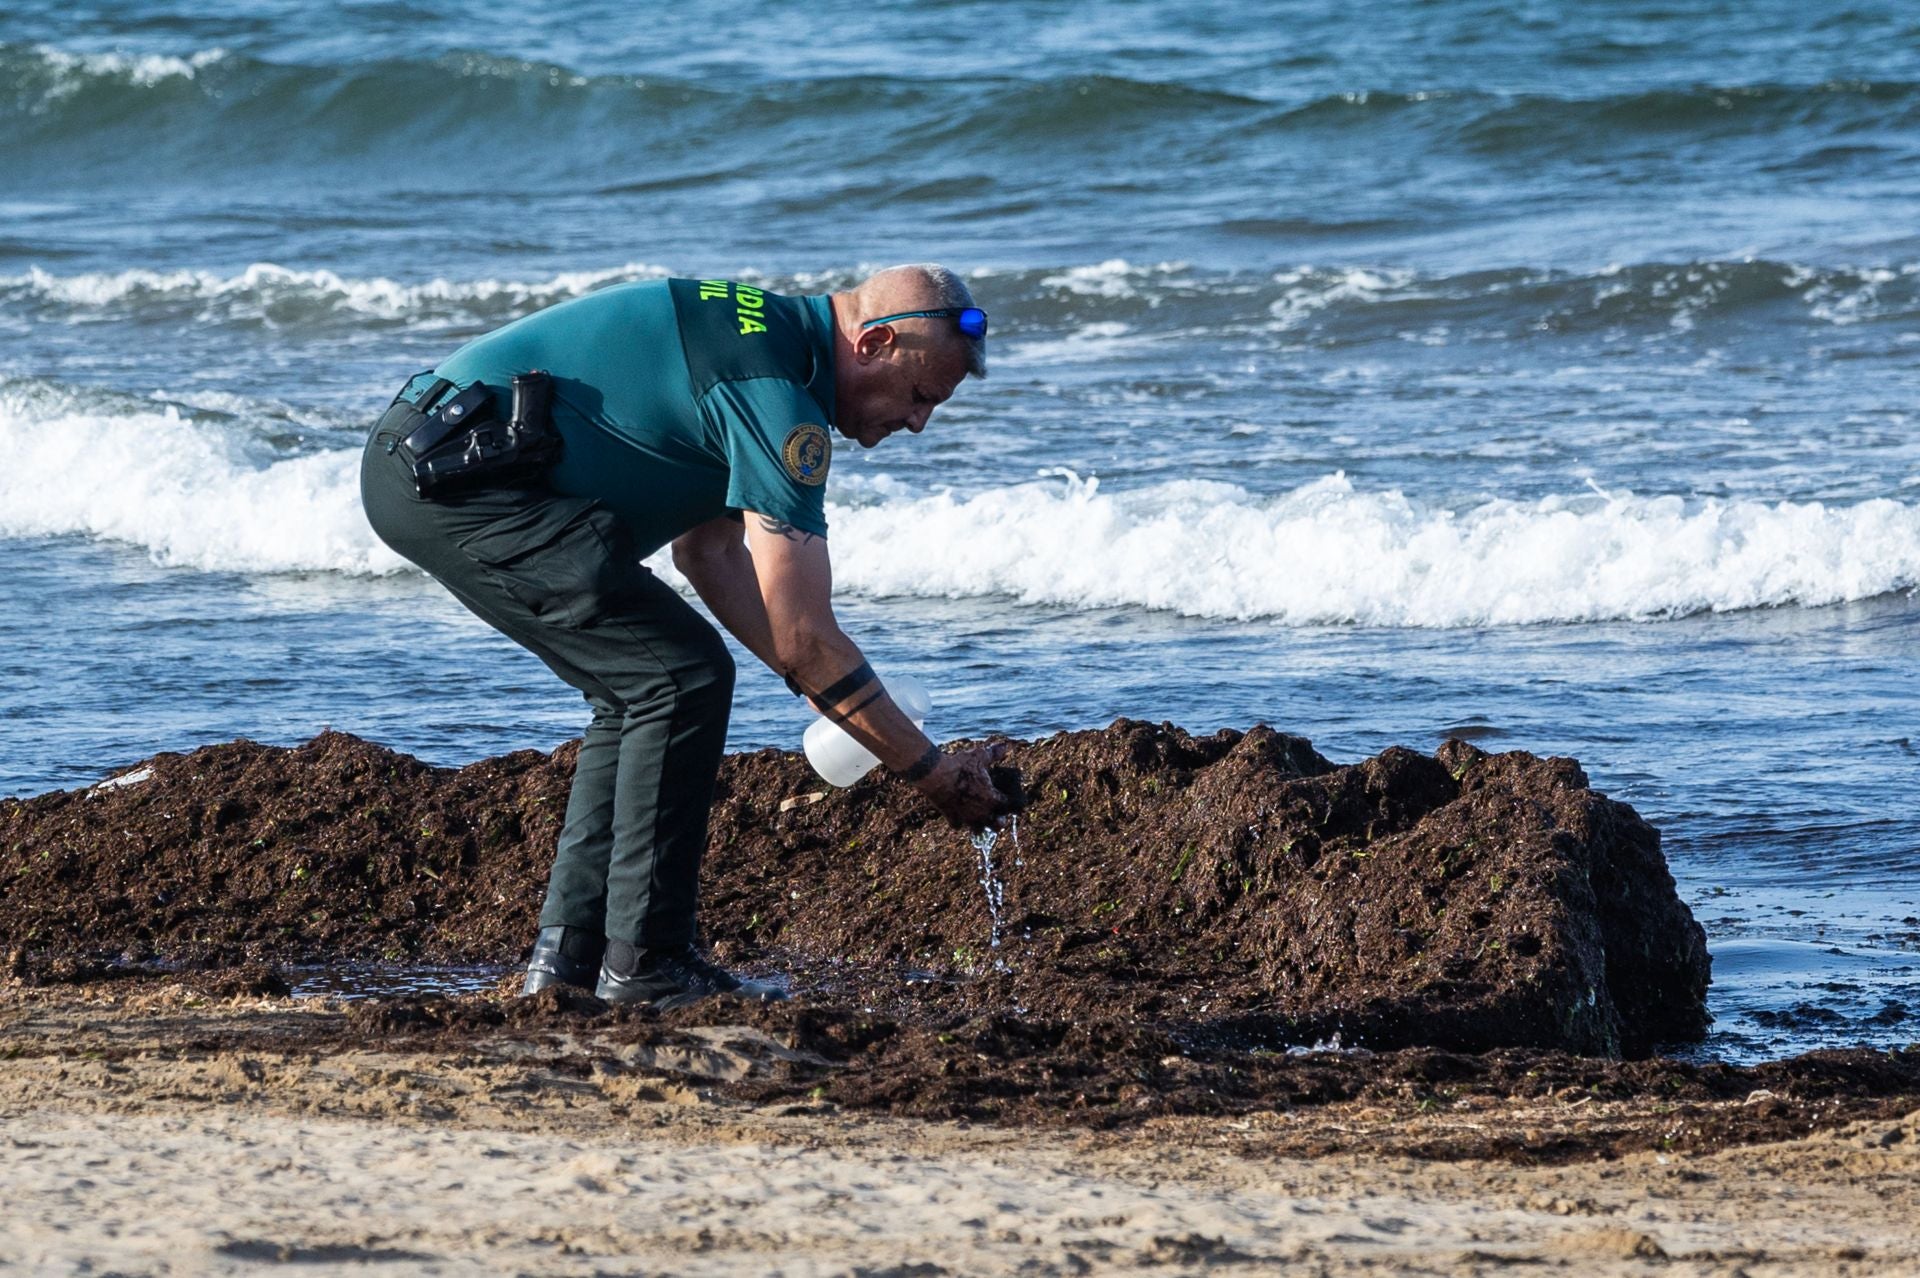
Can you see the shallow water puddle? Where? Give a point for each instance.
(1773, 998)
(390, 980)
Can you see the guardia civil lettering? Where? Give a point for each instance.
(749, 304)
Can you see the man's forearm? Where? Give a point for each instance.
(727, 585)
(795, 577)
(843, 686)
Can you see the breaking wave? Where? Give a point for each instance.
(268, 294)
(213, 496)
(200, 494)
(1310, 303)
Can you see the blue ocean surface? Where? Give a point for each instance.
(1538, 374)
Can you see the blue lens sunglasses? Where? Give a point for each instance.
(971, 319)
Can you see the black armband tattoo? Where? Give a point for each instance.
(841, 716)
(793, 685)
(922, 766)
(848, 684)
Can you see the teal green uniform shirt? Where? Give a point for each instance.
(679, 400)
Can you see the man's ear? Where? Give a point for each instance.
(872, 341)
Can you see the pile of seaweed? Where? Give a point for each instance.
(1235, 888)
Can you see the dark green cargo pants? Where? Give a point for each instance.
(559, 576)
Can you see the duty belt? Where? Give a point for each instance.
(465, 442)
(453, 416)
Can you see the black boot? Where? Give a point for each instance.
(666, 979)
(563, 956)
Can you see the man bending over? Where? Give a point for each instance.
(697, 413)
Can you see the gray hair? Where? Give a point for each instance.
(945, 290)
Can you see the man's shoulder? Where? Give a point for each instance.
(738, 332)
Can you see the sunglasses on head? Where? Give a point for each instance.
(971, 319)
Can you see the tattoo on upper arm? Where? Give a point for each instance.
(781, 528)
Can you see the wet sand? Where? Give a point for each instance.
(155, 1129)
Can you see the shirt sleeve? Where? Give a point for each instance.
(778, 450)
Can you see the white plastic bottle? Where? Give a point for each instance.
(838, 758)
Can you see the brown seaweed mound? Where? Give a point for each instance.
(1236, 886)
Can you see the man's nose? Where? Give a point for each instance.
(917, 420)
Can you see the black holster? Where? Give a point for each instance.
(464, 443)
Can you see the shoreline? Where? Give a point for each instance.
(226, 1132)
(1112, 1074)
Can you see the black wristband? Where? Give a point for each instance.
(925, 764)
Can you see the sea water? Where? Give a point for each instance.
(1541, 375)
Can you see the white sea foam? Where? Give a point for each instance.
(1096, 298)
(198, 494)
(193, 494)
(1115, 277)
(1090, 343)
(1326, 553)
(264, 284)
(1848, 302)
(1306, 290)
(141, 69)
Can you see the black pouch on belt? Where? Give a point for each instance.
(463, 444)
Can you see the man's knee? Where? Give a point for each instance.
(698, 678)
(709, 681)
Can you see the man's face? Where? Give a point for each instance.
(894, 386)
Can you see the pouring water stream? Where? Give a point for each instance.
(990, 882)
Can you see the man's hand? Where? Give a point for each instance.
(963, 789)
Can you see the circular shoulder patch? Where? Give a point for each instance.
(807, 453)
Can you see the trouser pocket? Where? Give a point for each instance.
(566, 560)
